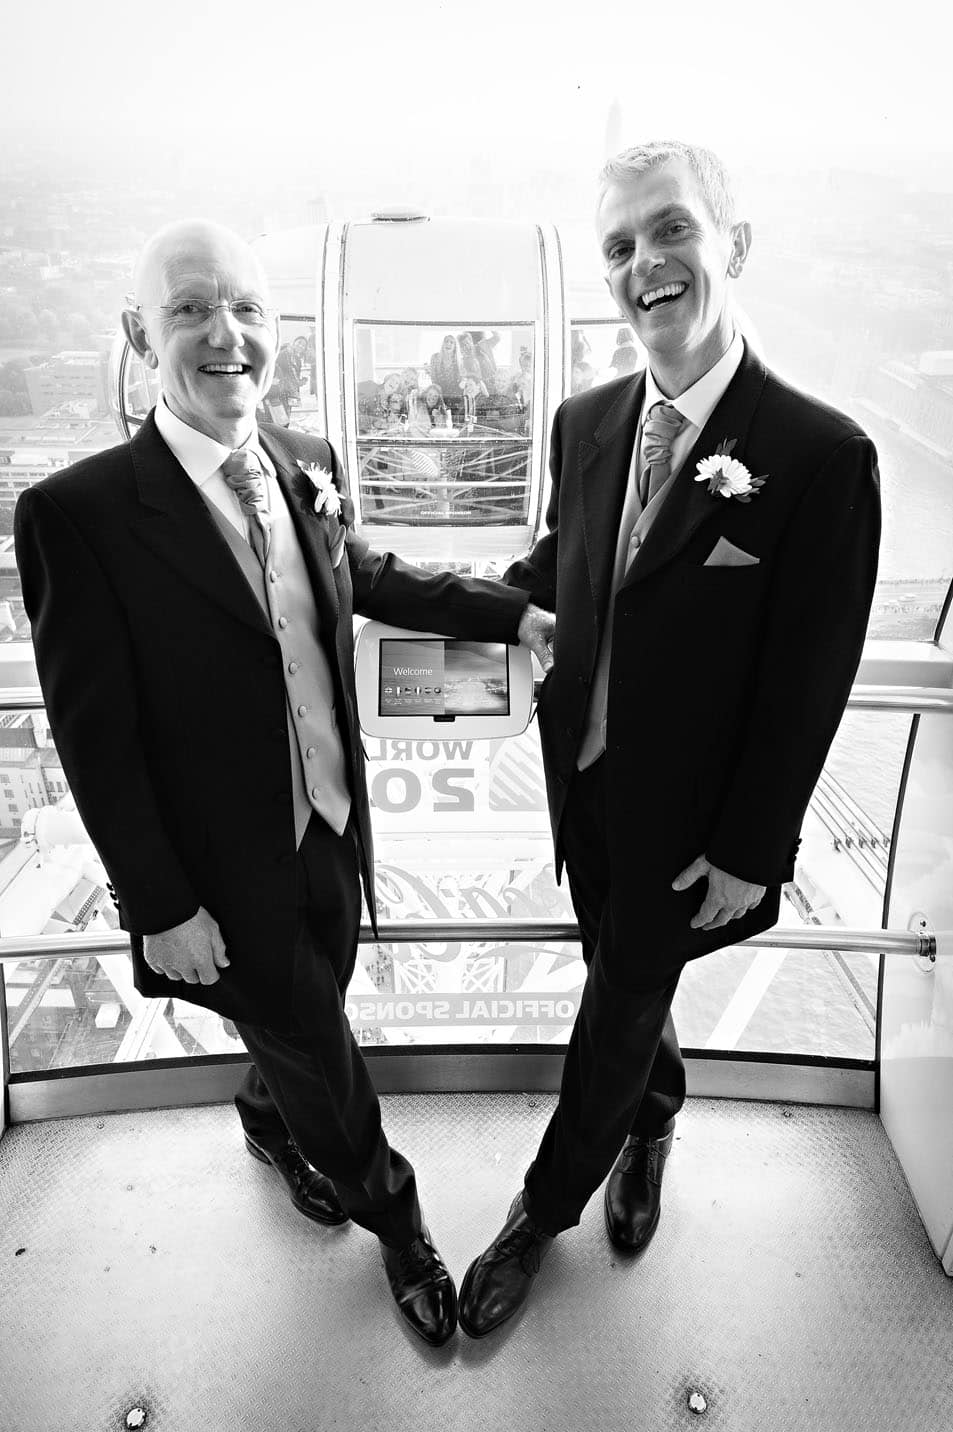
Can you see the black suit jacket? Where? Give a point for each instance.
(166, 697)
(726, 683)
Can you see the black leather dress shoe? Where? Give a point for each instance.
(497, 1283)
(312, 1193)
(423, 1288)
(634, 1192)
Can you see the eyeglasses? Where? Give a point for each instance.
(193, 312)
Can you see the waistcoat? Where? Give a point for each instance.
(318, 769)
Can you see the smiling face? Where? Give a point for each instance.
(668, 266)
(213, 374)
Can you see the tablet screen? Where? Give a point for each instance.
(436, 676)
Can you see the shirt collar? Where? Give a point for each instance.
(200, 455)
(698, 402)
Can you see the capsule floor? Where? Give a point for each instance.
(146, 1262)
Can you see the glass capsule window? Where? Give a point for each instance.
(601, 351)
(444, 424)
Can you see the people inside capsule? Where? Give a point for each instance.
(409, 382)
(710, 553)
(191, 595)
(521, 390)
(286, 376)
(485, 341)
(395, 412)
(625, 358)
(445, 368)
(429, 414)
(389, 403)
(470, 364)
(299, 354)
(311, 360)
(434, 406)
(474, 395)
(582, 374)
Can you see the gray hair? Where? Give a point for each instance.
(711, 173)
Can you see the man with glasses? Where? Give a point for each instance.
(191, 595)
(711, 557)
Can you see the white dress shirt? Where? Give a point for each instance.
(202, 458)
(698, 402)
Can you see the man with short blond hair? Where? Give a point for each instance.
(711, 558)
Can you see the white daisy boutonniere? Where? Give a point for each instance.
(726, 476)
(327, 499)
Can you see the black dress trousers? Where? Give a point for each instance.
(313, 1084)
(623, 1071)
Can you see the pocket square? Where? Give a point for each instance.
(726, 554)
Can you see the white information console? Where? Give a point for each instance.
(419, 685)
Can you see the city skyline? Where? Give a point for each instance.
(346, 96)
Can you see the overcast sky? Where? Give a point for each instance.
(364, 87)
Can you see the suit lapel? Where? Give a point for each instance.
(175, 523)
(689, 503)
(312, 530)
(603, 474)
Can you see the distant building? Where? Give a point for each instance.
(31, 775)
(917, 400)
(31, 449)
(20, 468)
(68, 377)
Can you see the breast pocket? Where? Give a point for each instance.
(726, 556)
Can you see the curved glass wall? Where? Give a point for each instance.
(461, 834)
(461, 827)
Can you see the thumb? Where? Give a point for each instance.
(218, 948)
(691, 873)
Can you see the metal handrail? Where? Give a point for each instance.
(405, 932)
(922, 700)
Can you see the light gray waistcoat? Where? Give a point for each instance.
(318, 768)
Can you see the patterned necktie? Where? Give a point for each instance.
(662, 425)
(244, 475)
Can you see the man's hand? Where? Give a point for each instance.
(728, 897)
(536, 630)
(193, 951)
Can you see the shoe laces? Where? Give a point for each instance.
(524, 1244)
(295, 1161)
(642, 1156)
(421, 1259)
